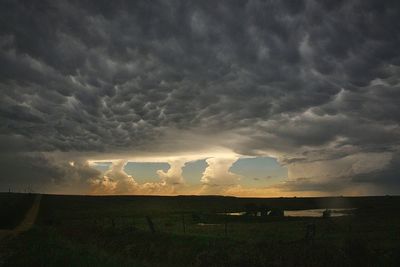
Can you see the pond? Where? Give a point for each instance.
(317, 212)
(302, 213)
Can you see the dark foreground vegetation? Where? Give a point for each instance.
(13, 207)
(194, 231)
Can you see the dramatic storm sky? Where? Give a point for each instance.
(246, 98)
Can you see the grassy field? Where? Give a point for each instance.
(13, 206)
(191, 231)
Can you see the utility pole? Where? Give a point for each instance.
(183, 223)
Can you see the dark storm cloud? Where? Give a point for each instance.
(35, 171)
(310, 185)
(382, 181)
(308, 77)
(386, 178)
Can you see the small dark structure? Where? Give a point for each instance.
(264, 210)
(251, 209)
(276, 212)
(327, 213)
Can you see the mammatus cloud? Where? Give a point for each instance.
(313, 84)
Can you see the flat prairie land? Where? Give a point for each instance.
(195, 231)
(13, 207)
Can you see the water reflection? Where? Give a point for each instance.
(303, 213)
(317, 212)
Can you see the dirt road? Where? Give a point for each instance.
(27, 222)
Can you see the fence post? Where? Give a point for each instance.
(183, 223)
(150, 224)
(133, 224)
(226, 227)
(226, 223)
(310, 232)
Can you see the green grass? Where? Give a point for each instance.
(13, 208)
(46, 247)
(113, 231)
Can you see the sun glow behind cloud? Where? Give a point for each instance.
(215, 178)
